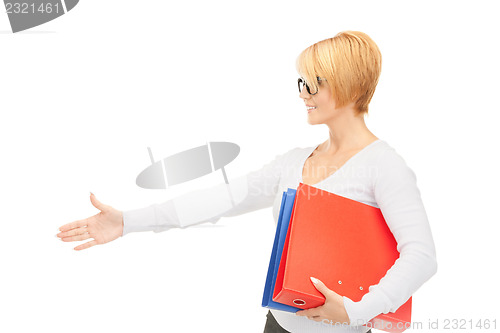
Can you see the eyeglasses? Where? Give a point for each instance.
(302, 83)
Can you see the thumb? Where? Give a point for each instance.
(96, 203)
(320, 286)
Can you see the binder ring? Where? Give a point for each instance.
(299, 301)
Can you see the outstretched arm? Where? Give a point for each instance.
(247, 193)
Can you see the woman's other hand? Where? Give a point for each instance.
(103, 227)
(331, 312)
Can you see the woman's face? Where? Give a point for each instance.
(322, 103)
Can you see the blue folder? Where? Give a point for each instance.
(287, 201)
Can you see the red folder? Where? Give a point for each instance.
(344, 243)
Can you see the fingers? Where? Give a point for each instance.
(77, 237)
(85, 245)
(73, 225)
(73, 232)
(81, 223)
(307, 313)
(312, 313)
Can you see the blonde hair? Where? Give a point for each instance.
(351, 63)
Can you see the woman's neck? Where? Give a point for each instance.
(347, 132)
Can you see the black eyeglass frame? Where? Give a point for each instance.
(302, 81)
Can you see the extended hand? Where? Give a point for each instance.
(333, 311)
(103, 227)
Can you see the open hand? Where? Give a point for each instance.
(103, 227)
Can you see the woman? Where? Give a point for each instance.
(339, 76)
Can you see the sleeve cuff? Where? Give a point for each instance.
(370, 306)
(146, 219)
(135, 220)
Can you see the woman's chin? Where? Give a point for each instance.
(312, 121)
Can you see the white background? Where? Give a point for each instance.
(83, 96)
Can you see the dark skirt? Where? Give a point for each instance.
(272, 325)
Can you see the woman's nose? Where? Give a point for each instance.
(304, 94)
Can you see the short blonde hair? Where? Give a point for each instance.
(351, 63)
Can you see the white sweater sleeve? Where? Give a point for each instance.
(253, 191)
(398, 197)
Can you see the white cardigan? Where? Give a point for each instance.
(377, 176)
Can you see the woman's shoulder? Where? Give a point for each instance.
(299, 151)
(386, 153)
(390, 163)
(381, 156)
(294, 155)
(289, 156)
